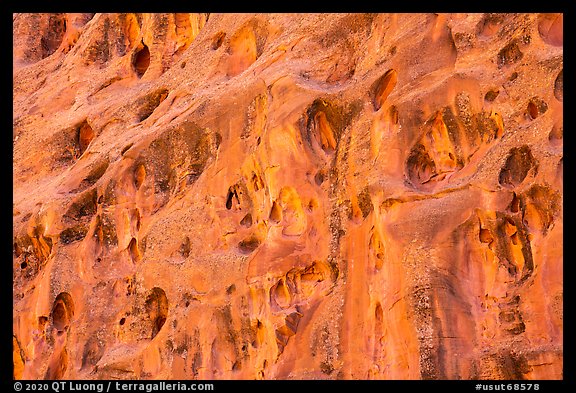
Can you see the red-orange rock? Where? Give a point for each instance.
(283, 196)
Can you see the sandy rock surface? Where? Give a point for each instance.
(288, 196)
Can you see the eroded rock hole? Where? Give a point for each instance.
(73, 234)
(184, 249)
(93, 351)
(559, 86)
(96, 172)
(84, 206)
(491, 95)
(556, 134)
(275, 213)
(249, 244)
(247, 220)
(42, 321)
(365, 202)
(489, 24)
(536, 107)
(532, 110)
(519, 162)
(325, 131)
(515, 204)
(292, 321)
(324, 123)
(85, 135)
(539, 207)
(319, 178)
(62, 311)
(420, 166)
(151, 102)
(218, 40)
(176, 158)
(157, 309)
(141, 60)
(105, 230)
(139, 175)
(245, 46)
(37, 248)
(550, 28)
(51, 41)
(232, 193)
(133, 250)
(187, 26)
(510, 54)
(486, 236)
(284, 332)
(378, 313)
(257, 182)
(383, 88)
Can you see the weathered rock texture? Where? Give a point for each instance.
(288, 196)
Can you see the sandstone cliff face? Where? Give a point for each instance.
(288, 196)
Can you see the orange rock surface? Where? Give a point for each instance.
(282, 196)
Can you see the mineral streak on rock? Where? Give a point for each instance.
(282, 196)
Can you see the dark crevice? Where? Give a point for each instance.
(157, 309)
(51, 41)
(232, 193)
(510, 54)
(559, 86)
(383, 87)
(85, 136)
(141, 60)
(518, 164)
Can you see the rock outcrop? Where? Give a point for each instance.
(282, 196)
